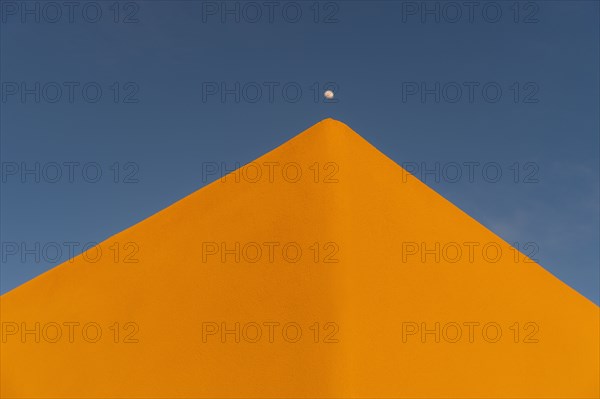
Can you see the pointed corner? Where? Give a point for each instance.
(329, 125)
(334, 122)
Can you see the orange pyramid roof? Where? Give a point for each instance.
(323, 269)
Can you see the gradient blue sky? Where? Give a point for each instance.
(373, 52)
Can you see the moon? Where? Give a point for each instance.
(328, 95)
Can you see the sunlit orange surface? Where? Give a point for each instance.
(323, 269)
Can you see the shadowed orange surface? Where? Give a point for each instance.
(369, 303)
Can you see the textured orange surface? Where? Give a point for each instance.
(362, 300)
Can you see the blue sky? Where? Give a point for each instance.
(144, 92)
